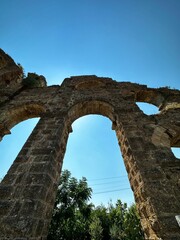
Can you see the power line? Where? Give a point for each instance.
(99, 179)
(97, 184)
(109, 188)
(116, 190)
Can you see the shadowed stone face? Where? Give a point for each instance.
(10, 73)
(28, 191)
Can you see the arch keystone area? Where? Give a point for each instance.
(28, 191)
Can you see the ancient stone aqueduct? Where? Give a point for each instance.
(28, 190)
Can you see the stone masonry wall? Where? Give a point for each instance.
(28, 191)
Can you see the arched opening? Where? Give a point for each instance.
(15, 139)
(160, 137)
(91, 107)
(12, 143)
(24, 112)
(175, 143)
(148, 108)
(100, 108)
(150, 96)
(176, 152)
(149, 101)
(93, 152)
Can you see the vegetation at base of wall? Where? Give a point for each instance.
(75, 218)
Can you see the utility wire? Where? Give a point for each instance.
(99, 179)
(116, 190)
(96, 184)
(108, 188)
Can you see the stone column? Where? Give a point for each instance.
(28, 191)
(152, 171)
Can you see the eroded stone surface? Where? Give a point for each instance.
(28, 191)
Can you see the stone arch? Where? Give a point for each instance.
(150, 96)
(103, 108)
(86, 107)
(17, 114)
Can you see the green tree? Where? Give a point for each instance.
(115, 232)
(117, 214)
(95, 229)
(102, 213)
(124, 222)
(75, 219)
(132, 226)
(71, 212)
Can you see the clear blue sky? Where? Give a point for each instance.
(129, 40)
